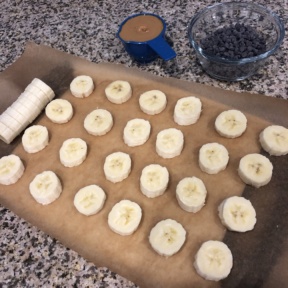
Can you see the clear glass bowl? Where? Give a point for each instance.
(225, 14)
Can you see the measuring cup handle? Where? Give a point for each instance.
(162, 48)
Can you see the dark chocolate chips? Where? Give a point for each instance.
(235, 42)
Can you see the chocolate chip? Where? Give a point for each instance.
(234, 42)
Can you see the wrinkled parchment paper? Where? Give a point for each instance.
(259, 255)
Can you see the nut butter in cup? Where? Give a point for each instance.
(143, 37)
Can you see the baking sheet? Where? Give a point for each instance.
(258, 255)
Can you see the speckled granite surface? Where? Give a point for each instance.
(29, 257)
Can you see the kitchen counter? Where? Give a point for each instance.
(29, 257)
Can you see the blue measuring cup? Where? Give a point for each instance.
(148, 51)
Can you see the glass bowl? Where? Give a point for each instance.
(208, 20)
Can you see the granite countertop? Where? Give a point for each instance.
(29, 257)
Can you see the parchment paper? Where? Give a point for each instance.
(258, 255)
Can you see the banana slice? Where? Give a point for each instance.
(167, 237)
(82, 86)
(154, 180)
(11, 169)
(237, 214)
(59, 111)
(27, 105)
(9, 121)
(98, 122)
(213, 158)
(21, 120)
(43, 87)
(152, 102)
(231, 123)
(117, 166)
(169, 143)
(118, 91)
(22, 110)
(187, 110)
(89, 200)
(45, 187)
(214, 260)
(35, 138)
(39, 100)
(73, 152)
(255, 169)
(7, 135)
(34, 109)
(36, 95)
(2, 127)
(191, 194)
(125, 217)
(10, 128)
(136, 132)
(274, 140)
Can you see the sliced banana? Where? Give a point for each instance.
(24, 110)
(7, 135)
(191, 194)
(214, 260)
(187, 110)
(169, 143)
(36, 95)
(59, 111)
(2, 127)
(117, 166)
(136, 132)
(22, 121)
(82, 86)
(26, 100)
(39, 100)
(43, 87)
(98, 122)
(9, 121)
(152, 102)
(237, 214)
(33, 109)
(213, 158)
(255, 169)
(274, 140)
(90, 199)
(118, 91)
(167, 237)
(125, 217)
(45, 187)
(231, 123)
(11, 169)
(154, 180)
(73, 152)
(35, 138)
